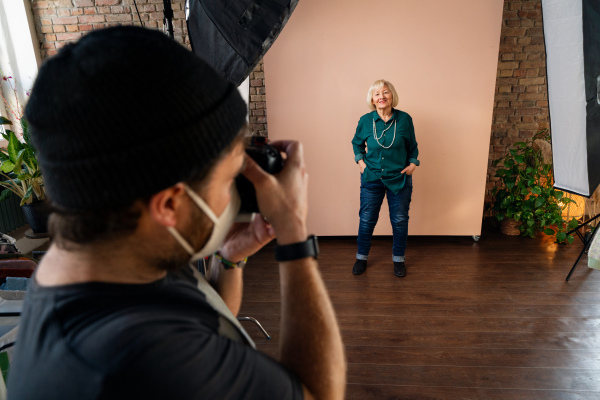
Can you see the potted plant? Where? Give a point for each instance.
(22, 175)
(526, 194)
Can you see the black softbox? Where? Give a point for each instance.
(572, 37)
(233, 35)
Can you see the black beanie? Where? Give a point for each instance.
(125, 113)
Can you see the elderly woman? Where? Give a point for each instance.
(386, 151)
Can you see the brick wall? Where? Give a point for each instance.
(59, 22)
(521, 101)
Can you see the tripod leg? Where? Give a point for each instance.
(586, 245)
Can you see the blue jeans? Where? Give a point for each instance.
(371, 198)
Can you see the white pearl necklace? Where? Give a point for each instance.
(382, 133)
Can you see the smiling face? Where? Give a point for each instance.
(382, 98)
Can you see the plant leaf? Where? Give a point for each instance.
(539, 201)
(548, 231)
(14, 146)
(560, 237)
(27, 195)
(19, 162)
(572, 224)
(24, 177)
(25, 128)
(517, 216)
(570, 239)
(536, 190)
(7, 166)
(5, 121)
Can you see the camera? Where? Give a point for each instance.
(269, 159)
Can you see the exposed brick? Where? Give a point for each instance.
(88, 19)
(531, 73)
(524, 40)
(64, 20)
(514, 31)
(532, 81)
(108, 2)
(72, 28)
(59, 29)
(63, 12)
(533, 64)
(68, 36)
(83, 3)
(534, 48)
(85, 27)
(508, 65)
(118, 17)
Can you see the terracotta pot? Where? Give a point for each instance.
(36, 215)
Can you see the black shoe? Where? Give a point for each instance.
(359, 267)
(399, 269)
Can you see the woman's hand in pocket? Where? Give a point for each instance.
(362, 166)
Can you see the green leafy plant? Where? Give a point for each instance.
(19, 166)
(526, 193)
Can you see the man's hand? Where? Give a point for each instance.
(362, 166)
(282, 198)
(244, 240)
(410, 169)
(310, 340)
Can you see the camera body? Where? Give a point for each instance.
(269, 159)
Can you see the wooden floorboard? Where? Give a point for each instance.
(492, 319)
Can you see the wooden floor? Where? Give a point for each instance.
(492, 319)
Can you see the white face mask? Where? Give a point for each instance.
(221, 227)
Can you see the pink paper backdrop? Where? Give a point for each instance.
(442, 58)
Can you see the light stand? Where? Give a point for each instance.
(168, 18)
(586, 242)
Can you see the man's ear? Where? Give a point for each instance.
(166, 207)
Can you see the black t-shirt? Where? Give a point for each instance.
(122, 341)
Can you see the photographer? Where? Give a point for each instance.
(140, 142)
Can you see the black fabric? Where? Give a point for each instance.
(118, 341)
(124, 113)
(591, 56)
(233, 35)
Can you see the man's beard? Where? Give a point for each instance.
(197, 232)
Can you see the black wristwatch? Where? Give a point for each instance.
(296, 251)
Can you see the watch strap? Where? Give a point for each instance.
(296, 251)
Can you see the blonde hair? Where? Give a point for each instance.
(378, 84)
